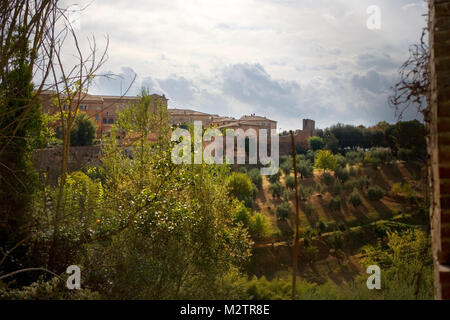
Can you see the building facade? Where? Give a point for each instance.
(102, 109)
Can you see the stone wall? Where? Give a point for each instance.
(49, 160)
(439, 143)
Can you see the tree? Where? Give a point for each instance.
(355, 199)
(325, 160)
(276, 189)
(240, 186)
(283, 211)
(83, 133)
(331, 142)
(17, 176)
(290, 181)
(375, 193)
(305, 169)
(255, 176)
(316, 143)
(274, 178)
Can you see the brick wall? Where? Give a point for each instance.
(439, 143)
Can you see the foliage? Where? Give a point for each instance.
(355, 199)
(325, 160)
(327, 178)
(255, 176)
(259, 227)
(304, 169)
(375, 193)
(316, 143)
(290, 182)
(276, 189)
(84, 131)
(286, 167)
(342, 174)
(274, 178)
(240, 186)
(335, 203)
(407, 265)
(283, 211)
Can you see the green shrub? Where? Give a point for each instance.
(363, 182)
(259, 227)
(327, 178)
(290, 182)
(355, 199)
(274, 178)
(335, 203)
(242, 215)
(283, 211)
(305, 192)
(255, 176)
(350, 184)
(337, 188)
(341, 174)
(375, 193)
(276, 190)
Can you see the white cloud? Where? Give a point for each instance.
(283, 59)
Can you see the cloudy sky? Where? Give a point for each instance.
(284, 59)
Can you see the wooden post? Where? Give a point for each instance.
(295, 253)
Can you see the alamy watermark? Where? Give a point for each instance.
(374, 20)
(213, 152)
(374, 281)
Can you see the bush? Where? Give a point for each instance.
(286, 167)
(335, 203)
(342, 174)
(305, 169)
(375, 193)
(355, 199)
(290, 182)
(341, 160)
(274, 178)
(337, 188)
(350, 184)
(327, 178)
(363, 182)
(316, 143)
(321, 226)
(354, 157)
(259, 227)
(276, 190)
(255, 176)
(283, 211)
(304, 192)
(321, 189)
(242, 215)
(241, 187)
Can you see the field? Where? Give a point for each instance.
(360, 226)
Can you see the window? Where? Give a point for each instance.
(96, 117)
(111, 121)
(105, 121)
(84, 107)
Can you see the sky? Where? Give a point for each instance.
(283, 59)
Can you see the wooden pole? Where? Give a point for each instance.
(295, 253)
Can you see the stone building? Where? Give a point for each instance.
(184, 116)
(102, 109)
(300, 136)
